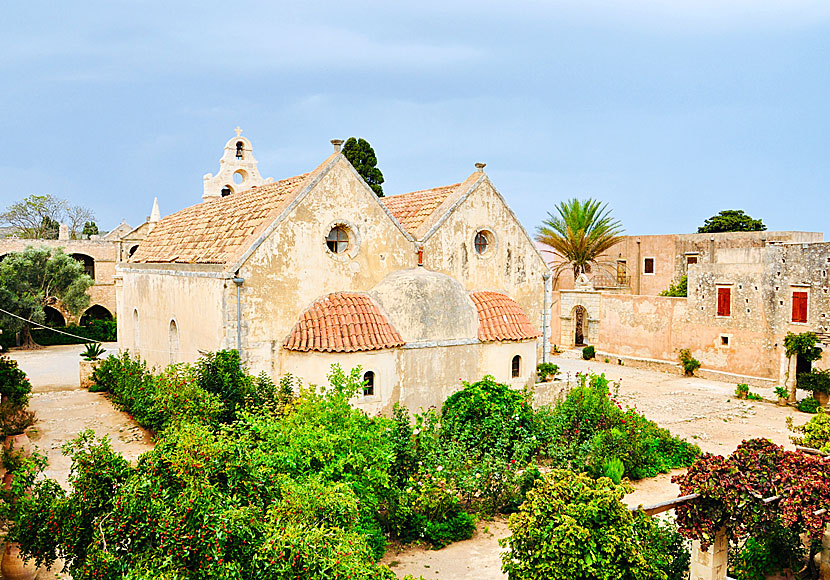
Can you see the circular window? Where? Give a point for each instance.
(338, 240)
(482, 242)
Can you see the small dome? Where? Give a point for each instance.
(427, 306)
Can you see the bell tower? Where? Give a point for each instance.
(237, 170)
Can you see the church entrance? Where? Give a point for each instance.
(802, 365)
(580, 314)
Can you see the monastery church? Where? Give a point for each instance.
(422, 289)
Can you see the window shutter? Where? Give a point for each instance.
(724, 301)
(799, 307)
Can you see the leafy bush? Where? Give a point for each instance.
(97, 330)
(613, 469)
(690, 364)
(221, 373)
(681, 289)
(742, 390)
(588, 353)
(544, 370)
(14, 384)
(668, 548)
(816, 432)
(573, 527)
(782, 392)
(486, 414)
(808, 405)
(803, 345)
(816, 381)
(776, 550)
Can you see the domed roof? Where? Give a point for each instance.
(427, 306)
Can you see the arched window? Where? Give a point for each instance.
(368, 383)
(132, 250)
(240, 150)
(88, 262)
(173, 340)
(226, 191)
(136, 332)
(516, 367)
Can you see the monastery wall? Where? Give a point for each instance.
(192, 297)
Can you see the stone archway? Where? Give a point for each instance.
(580, 318)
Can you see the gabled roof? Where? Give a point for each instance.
(501, 318)
(216, 231)
(414, 209)
(343, 322)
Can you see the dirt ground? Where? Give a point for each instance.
(702, 411)
(64, 409)
(705, 412)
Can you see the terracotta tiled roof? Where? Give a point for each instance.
(501, 318)
(343, 322)
(215, 231)
(413, 209)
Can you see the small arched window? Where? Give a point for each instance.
(136, 332)
(226, 191)
(173, 339)
(516, 367)
(240, 150)
(368, 383)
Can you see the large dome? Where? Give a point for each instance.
(426, 306)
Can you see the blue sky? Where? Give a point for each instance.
(670, 111)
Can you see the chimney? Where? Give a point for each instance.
(338, 143)
(480, 167)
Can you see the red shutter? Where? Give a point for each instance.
(724, 301)
(799, 307)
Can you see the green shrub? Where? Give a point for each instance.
(613, 468)
(779, 549)
(97, 330)
(459, 526)
(741, 390)
(690, 364)
(588, 353)
(14, 384)
(816, 381)
(573, 527)
(815, 433)
(803, 344)
(544, 370)
(782, 392)
(92, 351)
(808, 405)
(681, 289)
(667, 548)
(485, 415)
(221, 373)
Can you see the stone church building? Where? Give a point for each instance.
(422, 290)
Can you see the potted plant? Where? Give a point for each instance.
(783, 395)
(91, 359)
(742, 390)
(546, 372)
(817, 382)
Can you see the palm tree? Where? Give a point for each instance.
(581, 232)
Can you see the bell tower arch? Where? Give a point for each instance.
(237, 170)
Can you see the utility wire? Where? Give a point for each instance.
(83, 338)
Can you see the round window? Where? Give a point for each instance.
(482, 242)
(338, 240)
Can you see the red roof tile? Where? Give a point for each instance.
(215, 231)
(501, 318)
(413, 209)
(343, 322)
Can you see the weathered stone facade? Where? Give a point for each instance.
(255, 268)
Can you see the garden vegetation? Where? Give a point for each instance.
(252, 479)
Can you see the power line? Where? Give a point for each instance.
(83, 338)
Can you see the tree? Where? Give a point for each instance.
(731, 220)
(31, 279)
(39, 217)
(581, 232)
(77, 217)
(681, 289)
(90, 229)
(361, 155)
